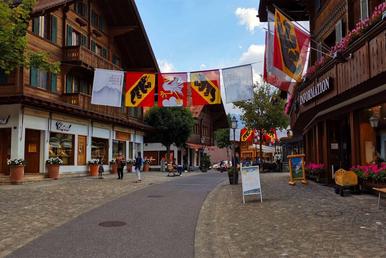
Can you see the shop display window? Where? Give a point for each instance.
(62, 146)
(119, 146)
(372, 123)
(99, 149)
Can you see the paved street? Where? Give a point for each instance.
(300, 221)
(30, 210)
(157, 221)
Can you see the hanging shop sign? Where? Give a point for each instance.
(4, 120)
(318, 89)
(61, 126)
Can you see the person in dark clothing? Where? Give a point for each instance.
(101, 169)
(120, 165)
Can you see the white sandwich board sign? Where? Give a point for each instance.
(250, 177)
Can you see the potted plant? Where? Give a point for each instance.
(232, 172)
(146, 165)
(114, 166)
(205, 163)
(94, 166)
(53, 165)
(129, 164)
(16, 167)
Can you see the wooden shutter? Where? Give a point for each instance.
(69, 79)
(33, 76)
(35, 25)
(54, 28)
(93, 46)
(54, 78)
(69, 35)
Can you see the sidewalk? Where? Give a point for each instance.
(299, 221)
(29, 210)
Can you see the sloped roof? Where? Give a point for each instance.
(43, 5)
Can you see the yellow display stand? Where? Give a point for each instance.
(296, 167)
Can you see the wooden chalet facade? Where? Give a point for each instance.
(208, 119)
(340, 109)
(44, 115)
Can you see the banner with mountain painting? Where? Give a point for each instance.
(172, 90)
(205, 87)
(290, 47)
(140, 88)
(107, 88)
(247, 135)
(238, 83)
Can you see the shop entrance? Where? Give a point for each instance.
(5, 149)
(32, 151)
(339, 143)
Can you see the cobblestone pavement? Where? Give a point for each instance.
(292, 221)
(29, 210)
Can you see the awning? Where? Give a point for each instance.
(195, 146)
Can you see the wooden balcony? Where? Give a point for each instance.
(80, 54)
(83, 101)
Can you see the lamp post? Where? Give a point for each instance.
(234, 126)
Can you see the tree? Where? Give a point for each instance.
(173, 125)
(221, 137)
(14, 20)
(264, 111)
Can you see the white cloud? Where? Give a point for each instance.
(202, 66)
(254, 54)
(165, 66)
(248, 17)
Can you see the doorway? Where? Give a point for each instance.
(32, 151)
(5, 149)
(339, 143)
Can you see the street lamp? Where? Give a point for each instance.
(234, 126)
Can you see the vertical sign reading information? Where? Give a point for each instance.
(296, 167)
(250, 177)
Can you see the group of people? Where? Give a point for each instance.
(121, 163)
(171, 167)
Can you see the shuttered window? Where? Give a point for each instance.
(69, 79)
(54, 79)
(38, 78)
(69, 35)
(34, 77)
(3, 77)
(54, 29)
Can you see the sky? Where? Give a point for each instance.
(191, 35)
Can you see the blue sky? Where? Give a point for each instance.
(191, 35)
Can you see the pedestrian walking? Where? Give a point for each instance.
(120, 164)
(138, 164)
(163, 161)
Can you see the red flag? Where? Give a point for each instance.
(140, 88)
(247, 135)
(172, 90)
(290, 47)
(205, 87)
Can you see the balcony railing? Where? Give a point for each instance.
(87, 57)
(83, 101)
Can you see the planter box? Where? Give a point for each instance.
(114, 168)
(146, 167)
(53, 171)
(129, 168)
(94, 170)
(16, 174)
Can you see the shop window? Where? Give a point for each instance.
(46, 27)
(3, 77)
(62, 146)
(372, 123)
(119, 146)
(100, 149)
(75, 38)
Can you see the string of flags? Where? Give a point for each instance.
(140, 87)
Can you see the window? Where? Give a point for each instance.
(76, 84)
(82, 149)
(338, 31)
(3, 77)
(119, 146)
(46, 27)
(98, 21)
(99, 149)
(100, 51)
(62, 146)
(75, 38)
(116, 60)
(364, 9)
(41, 79)
(81, 9)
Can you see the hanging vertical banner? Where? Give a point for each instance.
(247, 135)
(238, 83)
(140, 88)
(290, 47)
(107, 88)
(205, 87)
(172, 90)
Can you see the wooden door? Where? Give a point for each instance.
(5, 149)
(82, 143)
(32, 151)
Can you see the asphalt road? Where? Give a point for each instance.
(159, 221)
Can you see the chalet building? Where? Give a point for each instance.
(208, 119)
(44, 115)
(340, 108)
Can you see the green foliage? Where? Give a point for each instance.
(173, 125)
(221, 137)
(205, 162)
(13, 41)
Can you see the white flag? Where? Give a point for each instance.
(238, 83)
(107, 88)
(236, 136)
